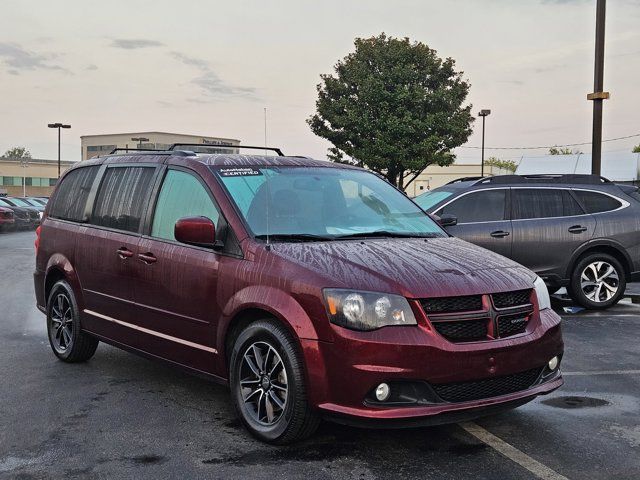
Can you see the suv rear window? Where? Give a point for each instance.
(122, 197)
(594, 202)
(543, 203)
(70, 199)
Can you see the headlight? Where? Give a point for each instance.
(367, 310)
(542, 293)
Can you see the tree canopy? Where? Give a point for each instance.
(17, 153)
(563, 151)
(393, 106)
(636, 149)
(508, 165)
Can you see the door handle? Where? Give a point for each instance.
(577, 229)
(499, 234)
(147, 257)
(124, 252)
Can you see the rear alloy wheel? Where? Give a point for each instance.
(268, 385)
(598, 281)
(67, 341)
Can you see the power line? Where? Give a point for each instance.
(552, 146)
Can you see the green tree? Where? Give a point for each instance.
(563, 151)
(17, 153)
(636, 149)
(509, 165)
(393, 106)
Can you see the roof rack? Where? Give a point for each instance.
(574, 178)
(151, 151)
(273, 149)
(464, 179)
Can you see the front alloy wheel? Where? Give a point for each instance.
(263, 383)
(268, 385)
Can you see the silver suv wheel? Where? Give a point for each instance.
(599, 281)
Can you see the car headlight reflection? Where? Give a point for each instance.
(542, 293)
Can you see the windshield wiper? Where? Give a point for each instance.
(386, 233)
(295, 237)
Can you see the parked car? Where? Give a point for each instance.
(23, 202)
(34, 202)
(576, 231)
(7, 220)
(313, 289)
(23, 217)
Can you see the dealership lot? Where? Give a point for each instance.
(120, 415)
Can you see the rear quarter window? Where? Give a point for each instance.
(594, 202)
(70, 199)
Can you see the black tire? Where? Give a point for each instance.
(296, 420)
(617, 280)
(66, 338)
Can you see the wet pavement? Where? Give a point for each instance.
(122, 416)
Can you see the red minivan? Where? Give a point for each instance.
(313, 289)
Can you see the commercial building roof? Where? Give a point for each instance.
(618, 166)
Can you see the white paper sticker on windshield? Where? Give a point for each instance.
(239, 172)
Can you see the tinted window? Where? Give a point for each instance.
(70, 199)
(485, 206)
(596, 202)
(181, 195)
(543, 203)
(123, 194)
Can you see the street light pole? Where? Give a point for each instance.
(139, 140)
(58, 126)
(483, 113)
(598, 85)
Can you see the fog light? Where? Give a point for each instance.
(382, 392)
(553, 363)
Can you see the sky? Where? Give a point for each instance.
(212, 67)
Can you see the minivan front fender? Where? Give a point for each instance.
(274, 301)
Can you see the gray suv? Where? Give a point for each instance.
(576, 231)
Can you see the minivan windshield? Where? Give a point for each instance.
(317, 203)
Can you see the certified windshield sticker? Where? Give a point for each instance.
(239, 172)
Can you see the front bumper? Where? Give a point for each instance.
(342, 374)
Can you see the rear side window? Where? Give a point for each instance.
(181, 195)
(484, 206)
(594, 202)
(543, 203)
(70, 199)
(122, 197)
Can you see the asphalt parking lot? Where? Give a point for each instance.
(121, 416)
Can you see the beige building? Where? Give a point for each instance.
(435, 176)
(36, 177)
(94, 145)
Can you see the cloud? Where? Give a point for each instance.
(209, 81)
(91, 67)
(18, 59)
(549, 68)
(134, 44)
(565, 2)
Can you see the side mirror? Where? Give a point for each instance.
(199, 231)
(448, 220)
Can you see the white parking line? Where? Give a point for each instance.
(511, 452)
(602, 372)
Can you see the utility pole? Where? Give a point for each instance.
(598, 94)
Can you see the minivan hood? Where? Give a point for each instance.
(415, 268)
